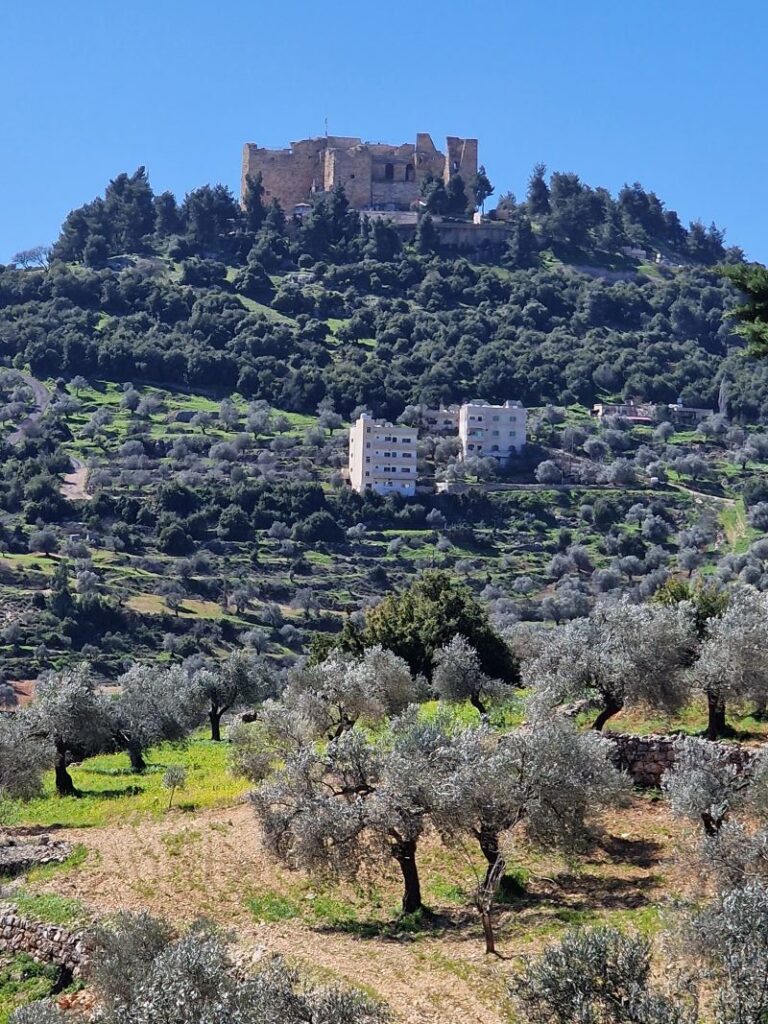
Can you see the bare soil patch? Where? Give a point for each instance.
(207, 863)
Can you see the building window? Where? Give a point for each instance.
(389, 172)
(410, 173)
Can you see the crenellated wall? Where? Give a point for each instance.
(373, 174)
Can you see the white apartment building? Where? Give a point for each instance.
(382, 457)
(492, 431)
(441, 421)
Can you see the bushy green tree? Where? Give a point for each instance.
(417, 622)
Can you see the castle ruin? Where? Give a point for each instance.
(375, 176)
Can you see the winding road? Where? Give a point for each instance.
(74, 483)
(42, 401)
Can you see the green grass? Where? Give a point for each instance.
(691, 720)
(23, 981)
(271, 906)
(735, 526)
(112, 793)
(50, 908)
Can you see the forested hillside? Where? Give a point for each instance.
(179, 377)
(205, 295)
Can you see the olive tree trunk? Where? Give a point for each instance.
(716, 726)
(64, 784)
(405, 855)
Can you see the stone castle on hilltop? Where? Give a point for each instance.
(375, 176)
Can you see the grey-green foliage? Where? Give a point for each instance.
(326, 699)
(38, 1013)
(550, 777)
(242, 679)
(621, 654)
(706, 783)
(732, 663)
(458, 676)
(596, 976)
(154, 704)
(728, 944)
(144, 975)
(22, 761)
(174, 777)
(735, 854)
(359, 799)
(69, 716)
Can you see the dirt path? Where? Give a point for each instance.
(186, 864)
(74, 485)
(42, 401)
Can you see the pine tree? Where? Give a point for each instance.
(481, 187)
(253, 202)
(427, 239)
(538, 192)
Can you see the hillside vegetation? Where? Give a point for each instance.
(182, 490)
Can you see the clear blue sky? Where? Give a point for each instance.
(670, 93)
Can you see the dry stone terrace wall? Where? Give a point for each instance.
(45, 943)
(19, 855)
(646, 758)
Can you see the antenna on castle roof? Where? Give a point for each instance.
(326, 127)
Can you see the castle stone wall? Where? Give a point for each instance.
(373, 174)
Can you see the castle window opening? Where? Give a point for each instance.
(410, 173)
(389, 172)
(455, 166)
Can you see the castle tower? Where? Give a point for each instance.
(460, 158)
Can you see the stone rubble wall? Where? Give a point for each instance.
(646, 758)
(18, 855)
(45, 943)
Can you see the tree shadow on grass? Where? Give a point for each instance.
(402, 928)
(110, 794)
(605, 892)
(640, 853)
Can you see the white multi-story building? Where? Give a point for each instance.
(382, 457)
(442, 421)
(491, 431)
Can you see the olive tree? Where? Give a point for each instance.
(596, 976)
(732, 665)
(548, 778)
(458, 676)
(154, 704)
(707, 783)
(329, 697)
(237, 681)
(727, 943)
(358, 801)
(22, 761)
(71, 718)
(143, 974)
(622, 653)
